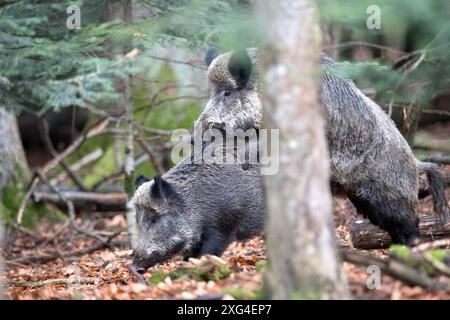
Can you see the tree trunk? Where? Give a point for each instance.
(301, 244)
(13, 164)
(14, 172)
(129, 141)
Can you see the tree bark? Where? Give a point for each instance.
(367, 236)
(129, 140)
(14, 170)
(301, 246)
(13, 164)
(87, 201)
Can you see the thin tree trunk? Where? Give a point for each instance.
(301, 243)
(2, 296)
(13, 164)
(14, 172)
(129, 141)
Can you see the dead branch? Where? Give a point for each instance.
(46, 257)
(85, 200)
(94, 131)
(365, 235)
(26, 199)
(71, 210)
(45, 135)
(160, 132)
(31, 233)
(394, 268)
(51, 282)
(437, 265)
(151, 155)
(193, 64)
(138, 276)
(442, 243)
(83, 161)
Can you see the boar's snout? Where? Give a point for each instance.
(142, 261)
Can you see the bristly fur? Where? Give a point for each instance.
(210, 209)
(437, 187)
(370, 160)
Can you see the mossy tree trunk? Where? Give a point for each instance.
(14, 171)
(302, 255)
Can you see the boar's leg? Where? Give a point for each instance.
(214, 242)
(396, 217)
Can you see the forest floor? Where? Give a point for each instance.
(104, 273)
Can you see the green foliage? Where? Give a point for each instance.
(204, 269)
(46, 66)
(10, 203)
(242, 293)
(420, 261)
(414, 26)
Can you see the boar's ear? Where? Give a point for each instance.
(211, 54)
(140, 180)
(240, 67)
(161, 188)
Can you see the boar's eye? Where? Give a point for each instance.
(227, 93)
(154, 219)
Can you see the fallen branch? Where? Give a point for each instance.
(46, 257)
(138, 276)
(443, 243)
(91, 201)
(151, 155)
(395, 269)
(365, 235)
(51, 282)
(94, 131)
(45, 135)
(90, 157)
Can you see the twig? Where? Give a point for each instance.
(71, 210)
(76, 144)
(90, 157)
(57, 233)
(153, 130)
(94, 131)
(107, 179)
(46, 257)
(31, 233)
(51, 148)
(442, 243)
(51, 282)
(138, 276)
(439, 266)
(394, 269)
(26, 199)
(171, 99)
(151, 155)
(189, 63)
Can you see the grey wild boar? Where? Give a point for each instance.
(196, 209)
(370, 161)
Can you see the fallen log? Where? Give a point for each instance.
(89, 201)
(394, 268)
(365, 235)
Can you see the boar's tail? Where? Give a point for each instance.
(436, 181)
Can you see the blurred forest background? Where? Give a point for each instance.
(84, 111)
